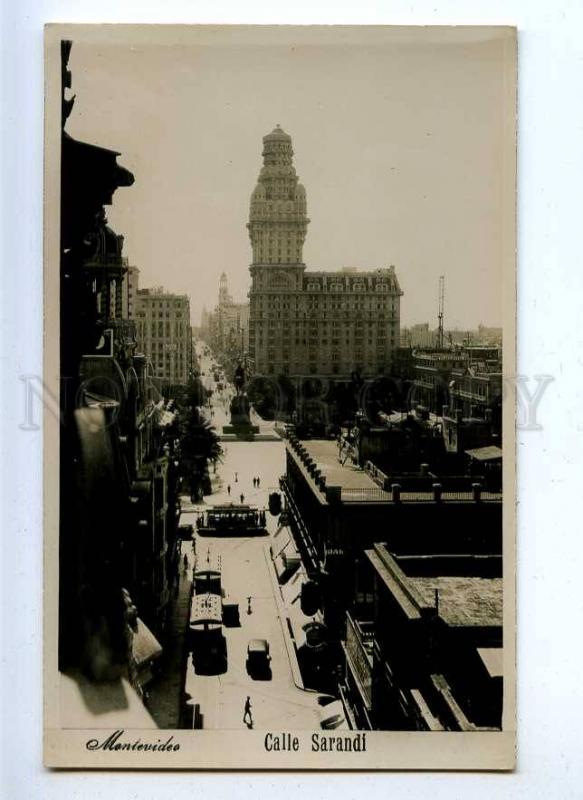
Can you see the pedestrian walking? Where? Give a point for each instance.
(229, 490)
(242, 498)
(236, 477)
(247, 715)
(185, 562)
(249, 610)
(258, 482)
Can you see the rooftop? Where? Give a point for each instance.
(159, 293)
(325, 454)
(463, 601)
(489, 453)
(357, 486)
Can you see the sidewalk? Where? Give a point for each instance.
(283, 619)
(165, 693)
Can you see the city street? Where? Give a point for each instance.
(246, 565)
(218, 413)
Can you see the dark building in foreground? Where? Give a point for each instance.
(339, 511)
(118, 510)
(423, 643)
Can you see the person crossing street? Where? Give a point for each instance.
(247, 715)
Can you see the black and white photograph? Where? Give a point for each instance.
(280, 317)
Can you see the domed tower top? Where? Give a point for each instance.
(277, 215)
(278, 133)
(277, 148)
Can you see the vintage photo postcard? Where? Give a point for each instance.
(279, 429)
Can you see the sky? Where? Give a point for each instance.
(400, 138)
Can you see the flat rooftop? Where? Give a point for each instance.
(463, 601)
(325, 454)
(357, 485)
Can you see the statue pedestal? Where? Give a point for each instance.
(240, 419)
(241, 430)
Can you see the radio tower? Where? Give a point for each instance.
(440, 312)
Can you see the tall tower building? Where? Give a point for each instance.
(224, 296)
(304, 323)
(277, 220)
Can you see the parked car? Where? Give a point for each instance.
(258, 659)
(332, 717)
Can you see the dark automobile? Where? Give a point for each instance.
(258, 659)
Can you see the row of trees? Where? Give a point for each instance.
(198, 443)
(322, 401)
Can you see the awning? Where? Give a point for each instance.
(145, 647)
(286, 567)
(280, 566)
(297, 621)
(290, 551)
(281, 539)
(291, 591)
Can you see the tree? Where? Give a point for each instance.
(198, 443)
(264, 394)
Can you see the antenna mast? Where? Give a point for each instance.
(440, 312)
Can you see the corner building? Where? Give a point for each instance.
(326, 324)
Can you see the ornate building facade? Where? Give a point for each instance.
(164, 333)
(327, 324)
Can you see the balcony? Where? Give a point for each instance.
(358, 650)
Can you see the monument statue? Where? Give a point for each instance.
(240, 409)
(239, 378)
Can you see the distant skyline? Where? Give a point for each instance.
(398, 139)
